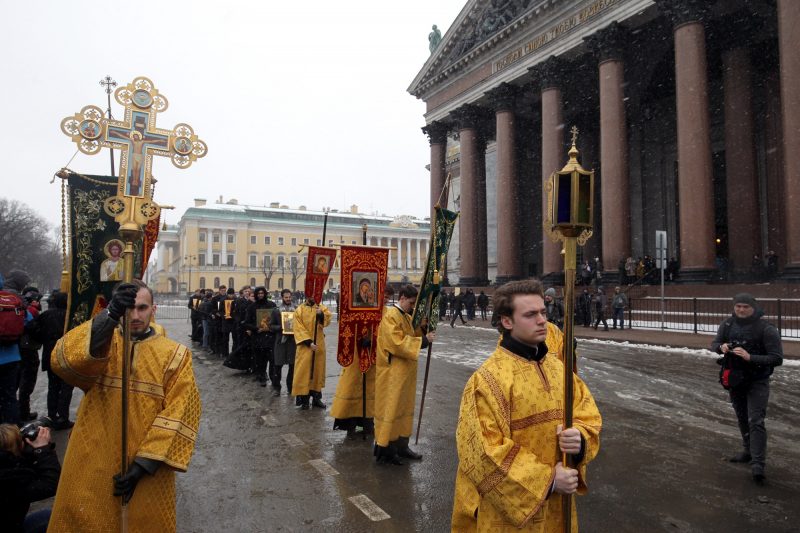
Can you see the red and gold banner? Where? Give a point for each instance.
(364, 272)
(318, 266)
(149, 241)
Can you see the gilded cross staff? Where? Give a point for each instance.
(133, 206)
(108, 83)
(570, 197)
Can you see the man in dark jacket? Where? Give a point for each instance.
(585, 308)
(751, 349)
(483, 304)
(469, 303)
(600, 306)
(456, 308)
(29, 472)
(285, 347)
(257, 321)
(194, 313)
(50, 328)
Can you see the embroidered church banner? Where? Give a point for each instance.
(427, 304)
(96, 264)
(364, 271)
(319, 264)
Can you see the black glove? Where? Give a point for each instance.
(124, 485)
(124, 298)
(320, 317)
(366, 341)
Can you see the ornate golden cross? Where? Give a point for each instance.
(137, 137)
(574, 131)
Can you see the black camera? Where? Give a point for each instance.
(31, 430)
(732, 345)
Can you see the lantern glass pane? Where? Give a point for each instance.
(564, 199)
(584, 199)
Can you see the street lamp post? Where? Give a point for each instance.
(189, 259)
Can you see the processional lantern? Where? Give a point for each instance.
(571, 211)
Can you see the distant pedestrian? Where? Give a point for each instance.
(555, 309)
(585, 308)
(456, 307)
(443, 299)
(600, 306)
(618, 304)
(483, 304)
(469, 303)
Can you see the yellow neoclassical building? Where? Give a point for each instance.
(229, 244)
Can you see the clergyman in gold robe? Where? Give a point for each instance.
(396, 379)
(164, 414)
(509, 436)
(309, 346)
(350, 409)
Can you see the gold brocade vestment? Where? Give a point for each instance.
(507, 444)
(396, 376)
(304, 317)
(164, 414)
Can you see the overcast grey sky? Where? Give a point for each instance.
(298, 102)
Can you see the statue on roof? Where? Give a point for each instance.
(434, 38)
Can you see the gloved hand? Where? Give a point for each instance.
(320, 317)
(124, 485)
(366, 341)
(124, 298)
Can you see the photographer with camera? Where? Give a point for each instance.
(751, 348)
(29, 472)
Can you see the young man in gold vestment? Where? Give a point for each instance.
(164, 414)
(509, 436)
(396, 379)
(310, 346)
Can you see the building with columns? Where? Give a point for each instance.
(686, 110)
(237, 245)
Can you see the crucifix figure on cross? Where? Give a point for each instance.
(138, 139)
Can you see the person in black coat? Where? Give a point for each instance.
(261, 338)
(29, 472)
(50, 328)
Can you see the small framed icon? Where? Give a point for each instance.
(287, 322)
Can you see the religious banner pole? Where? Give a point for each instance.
(133, 206)
(314, 355)
(570, 199)
(364, 374)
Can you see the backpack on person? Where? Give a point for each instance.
(12, 317)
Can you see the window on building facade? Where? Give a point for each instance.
(330, 242)
(230, 238)
(201, 237)
(230, 260)
(230, 282)
(215, 260)
(280, 241)
(305, 241)
(267, 240)
(294, 241)
(202, 285)
(267, 263)
(252, 239)
(319, 242)
(253, 261)
(293, 262)
(280, 283)
(216, 283)
(280, 261)
(201, 259)
(352, 242)
(252, 282)
(216, 237)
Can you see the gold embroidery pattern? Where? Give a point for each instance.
(541, 501)
(492, 480)
(62, 361)
(175, 362)
(170, 424)
(151, 389)
(538, 418)
(505, 409)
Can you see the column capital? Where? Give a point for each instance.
(469, 116)
(436, 132)
(609, 43)
(503, 97)
(549, 74)
(684, 11)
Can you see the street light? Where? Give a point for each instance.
(189, 259)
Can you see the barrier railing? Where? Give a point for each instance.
(704, 315)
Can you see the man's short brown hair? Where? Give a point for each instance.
(504, 298)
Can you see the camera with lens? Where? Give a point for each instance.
(732, 345)
(31, 430)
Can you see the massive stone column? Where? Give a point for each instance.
(416, 261)
(695, 185)
(437, 135)
(609, 45)
(789, 43)
(472, 230)
(509, 240)
(744, 225)
(548, 75)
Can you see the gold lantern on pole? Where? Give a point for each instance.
(570, 198)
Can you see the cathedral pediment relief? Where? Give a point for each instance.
(478, 23)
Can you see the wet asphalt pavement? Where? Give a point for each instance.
(262, 465)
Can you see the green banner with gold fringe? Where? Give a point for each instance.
(96, 264)
(427, 306)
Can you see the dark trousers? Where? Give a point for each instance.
(224, 339)
(750, 405)
(275, 376)
(28, 372)
(9, 408)
(262, 354)
(619, 313)
(601, 317)
(213, 334)
(197, 328)
(59, 396)
(483, 313)
(457, 314)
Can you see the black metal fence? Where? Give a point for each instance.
(700, 315)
